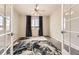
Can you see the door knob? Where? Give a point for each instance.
(12, 34)
(63, 32)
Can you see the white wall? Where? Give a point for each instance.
(46, 25)
(15, 23)
(55, 25)
(22, 26)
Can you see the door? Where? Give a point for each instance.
(71, 30)
(5, 29)
(74, 50)
(66, 32)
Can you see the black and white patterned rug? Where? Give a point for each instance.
(35, 47)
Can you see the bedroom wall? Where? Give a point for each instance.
(15, 24)
(55, 25)
(22, 26)
(46, 25)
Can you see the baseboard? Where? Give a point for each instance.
(56, 39)
(57, 43)
(72, 45)
(46, 36)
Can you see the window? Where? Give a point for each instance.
(8, 24)
(5, 28)
(35, 22)
(1, 23)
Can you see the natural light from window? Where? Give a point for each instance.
(1, 23)
(35, 22)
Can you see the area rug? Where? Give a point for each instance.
(36, 46)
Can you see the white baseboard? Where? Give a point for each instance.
(72, 45)
(56, 39)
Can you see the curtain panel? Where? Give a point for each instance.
(28, 26)
(40, 26)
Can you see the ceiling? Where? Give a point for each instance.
(27, 9)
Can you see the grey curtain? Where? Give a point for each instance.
(40, 26)
(28, 26)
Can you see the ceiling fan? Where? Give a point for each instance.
(37, 10)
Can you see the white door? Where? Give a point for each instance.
(5, 29)
(66, 33)
(71, 30)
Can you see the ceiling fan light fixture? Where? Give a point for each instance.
(36, 14)
(37, 8)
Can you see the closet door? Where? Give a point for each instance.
(8, 28)
(2, 29)
(74, 30)
(66, 33)
(5, 29)
(71, 30)
(66, 29)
